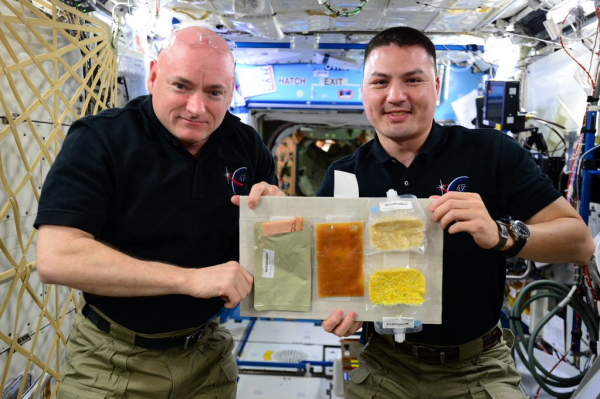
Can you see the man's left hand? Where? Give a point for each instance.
(465, 212)
(259, 190)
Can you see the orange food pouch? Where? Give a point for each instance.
(340, 259)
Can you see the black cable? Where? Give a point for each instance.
(547, 121)
(561, 136)
(561, 292)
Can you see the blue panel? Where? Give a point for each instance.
(318, 86)
(461, 83)
(302, 85)
(352, 46)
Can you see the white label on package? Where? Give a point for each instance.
(268, 263)
(398, 322)
(395, 205)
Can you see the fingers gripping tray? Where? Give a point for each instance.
(342, 266)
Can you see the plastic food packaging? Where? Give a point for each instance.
(397, 286)
(397, 224)
(282, 266)
(340, 258)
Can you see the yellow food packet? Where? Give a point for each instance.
(397, 286)
(397, 233)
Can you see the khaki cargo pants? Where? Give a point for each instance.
(387, 373)
(103, 366)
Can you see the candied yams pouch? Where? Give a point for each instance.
(340, 258)
(282, 265)
(397, 224)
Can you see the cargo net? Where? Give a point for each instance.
(56, 65)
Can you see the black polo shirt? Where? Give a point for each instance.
(122, 177)
(500, 171)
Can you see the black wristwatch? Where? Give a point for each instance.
(503, 236)
(520, 233)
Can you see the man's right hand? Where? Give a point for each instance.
(229, 280)
(340, 326)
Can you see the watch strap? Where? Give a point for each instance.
(515, 249)
(503, 232)
(518, 245)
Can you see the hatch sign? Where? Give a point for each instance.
(285, 81)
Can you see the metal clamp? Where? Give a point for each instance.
(191, 340)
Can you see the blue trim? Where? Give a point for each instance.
(291, 107)
(320, 105)
(586, 181)
(246, 336)
(253, 101)
(261, 45)
(352, 46)
(301, 365)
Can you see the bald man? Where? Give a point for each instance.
(140, 213)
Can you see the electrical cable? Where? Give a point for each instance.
(595, 41)
(572, 194)
(592, 81)
(561, 292)
(557, 149)
(339, 13)
(555, 366)
(594, 271)
(579, 163)
(547, 121)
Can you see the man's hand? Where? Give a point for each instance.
(229, 280)
(259, 190)
(465, 212)
(342, 327)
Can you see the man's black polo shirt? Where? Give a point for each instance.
(500, 171)
(122, 177)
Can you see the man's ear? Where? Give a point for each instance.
(438, 85)
(152, 75)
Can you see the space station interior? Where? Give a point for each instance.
(528, 68)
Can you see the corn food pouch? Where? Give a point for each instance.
(397, 286)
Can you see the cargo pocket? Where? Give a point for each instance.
(509, 337)
(228, 377)
(230, 369)
(503, 391)
(75, 390)
(363, 384)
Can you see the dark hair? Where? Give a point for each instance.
(401, 36)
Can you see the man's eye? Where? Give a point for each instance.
(216, 93)
(179, 86)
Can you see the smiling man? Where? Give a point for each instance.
(139, 212)
(492, 202)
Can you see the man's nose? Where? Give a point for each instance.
(396, 93)
(195, 104)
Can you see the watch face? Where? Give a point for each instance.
(520, 229)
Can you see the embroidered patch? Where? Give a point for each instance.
(458, 184)
(238, 180)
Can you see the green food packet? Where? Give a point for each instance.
(282, 270)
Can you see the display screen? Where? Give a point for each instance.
(494, 105)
